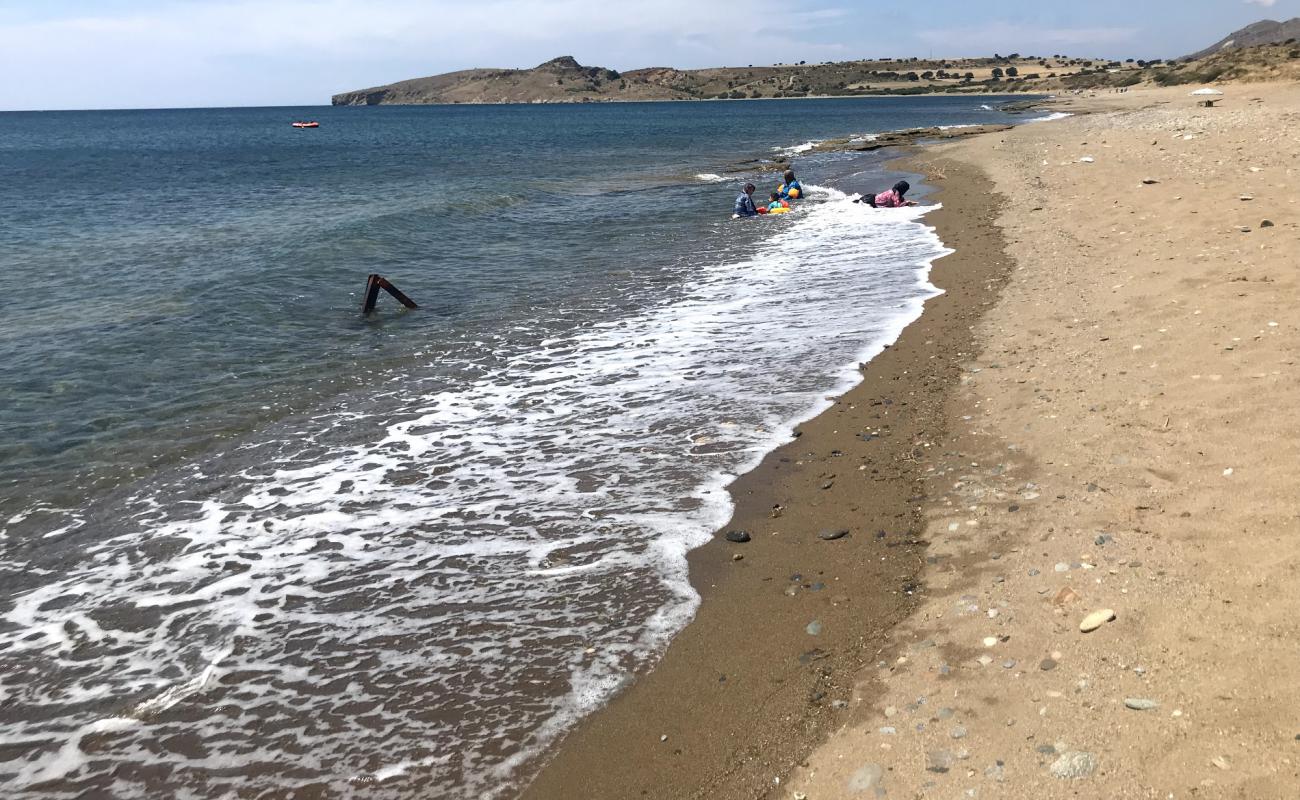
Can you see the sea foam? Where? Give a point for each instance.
(429, 608)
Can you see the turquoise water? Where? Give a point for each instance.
(252, 542)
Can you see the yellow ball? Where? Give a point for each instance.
(794, 194)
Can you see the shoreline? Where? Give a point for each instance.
(747, 688)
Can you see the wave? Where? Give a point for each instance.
(428, 607)
(1050, 117)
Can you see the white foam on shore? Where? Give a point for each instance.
(710, 177)
(796, 149)
(523, 526)
(1055, 115)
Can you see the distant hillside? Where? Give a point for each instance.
(1263, 32)
(564, 80)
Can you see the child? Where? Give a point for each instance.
(894, 198)
(776, 202)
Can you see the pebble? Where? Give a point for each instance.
(739, 537)
(1268, 223)
(958, 732)
(1065, 596)
(831, 535)
(1096, 619)
(890, 711)
(1221, 762)
(1062, 567)
(866, 778)
(1074, 764)
(939, 761)
(814, 628)
(1047, 664)
(738, 557)
(1010, 663)
(1140, 704)
(888, 730)
(1149, 181)
(985, 660)
(990, 641)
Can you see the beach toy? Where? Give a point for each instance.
(786, 203)
(794, 194)
(779, 211)
(762, 209)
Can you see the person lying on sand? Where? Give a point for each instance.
(745, 203)
(894, 198)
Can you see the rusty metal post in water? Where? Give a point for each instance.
(376, 282)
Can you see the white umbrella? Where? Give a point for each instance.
(1203, 92)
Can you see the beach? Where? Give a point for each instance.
(244, 528)
(1096, 433)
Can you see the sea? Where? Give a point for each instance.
(254, 544)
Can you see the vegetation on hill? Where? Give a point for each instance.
(564, 80)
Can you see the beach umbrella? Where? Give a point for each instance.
(1205, 92)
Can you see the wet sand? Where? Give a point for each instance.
(770, 665)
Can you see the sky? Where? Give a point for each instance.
(81, 54)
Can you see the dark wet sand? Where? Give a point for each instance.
(745, 691)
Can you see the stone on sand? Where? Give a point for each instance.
(866, 778)
(739, 537)
(1140, 703)
(831, 534)
(1074, 764)
(1096, 619)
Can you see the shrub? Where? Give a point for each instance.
(1012, 72)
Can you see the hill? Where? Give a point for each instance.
(1265, 31)
(564, 80)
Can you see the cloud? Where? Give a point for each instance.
(1261, 3)
(277, 51)
(1011, 37)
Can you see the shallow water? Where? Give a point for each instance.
(253, 543)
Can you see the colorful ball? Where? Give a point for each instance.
(794, 193)
(762, 209)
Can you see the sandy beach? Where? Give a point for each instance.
(1093, 418)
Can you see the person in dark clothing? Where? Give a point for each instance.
(745, 203)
